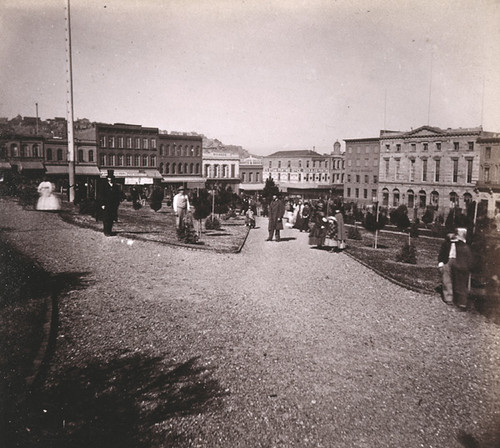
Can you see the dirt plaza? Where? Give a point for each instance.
(277, 345)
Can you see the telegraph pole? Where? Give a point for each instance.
(69, 107)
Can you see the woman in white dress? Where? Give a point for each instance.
(47, 200)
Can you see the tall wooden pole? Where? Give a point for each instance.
(69, 106)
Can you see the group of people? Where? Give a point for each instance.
(325, 230)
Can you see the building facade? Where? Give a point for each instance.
(221, 169)
(303, 173)
(488, 185)
(180, 159)
(429, 166)
(251, 175)
(362, 158)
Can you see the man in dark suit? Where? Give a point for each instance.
(111, 197)
(455, 264)
(276, 212)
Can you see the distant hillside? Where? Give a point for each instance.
(214, 144)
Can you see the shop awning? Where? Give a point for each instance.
(56, 169)
(123, 174)
(252, 187)
(30, 165)
(5, 166)
(87, 171)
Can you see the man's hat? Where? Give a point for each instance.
(111, 174)
(181, 188)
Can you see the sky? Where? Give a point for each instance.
(267, 75)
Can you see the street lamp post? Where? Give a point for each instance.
(69, 107)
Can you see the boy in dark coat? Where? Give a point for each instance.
(110, 200)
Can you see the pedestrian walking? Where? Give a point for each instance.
(110, 200)
(276, 212)
(181, 206)
(341, 233)
(47, 201)
(455, 262)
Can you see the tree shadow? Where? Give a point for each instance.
(123, 402)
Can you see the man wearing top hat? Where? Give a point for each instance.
(110, 200)
(181, 206)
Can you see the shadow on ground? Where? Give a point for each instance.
(124, 402)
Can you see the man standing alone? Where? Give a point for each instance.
(276, 212)
(181, 206)
(111, 197)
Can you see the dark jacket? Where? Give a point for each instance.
(464, 259)
(276, 212)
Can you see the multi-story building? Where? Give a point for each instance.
(251, 175)
(23, 154)
(303, 173)
(337, 169)
(488, 184)
(129, 150)
(180, 160)
(361, 171)
(221, 169)
(429, 166)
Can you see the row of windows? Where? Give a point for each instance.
(252, 177)
(368, 150)
(425, 146)
(220, 171)
(127, 160)
(424, 175)
(180, 150)
(337, 164)
(179, 168)
(357, 162)
(127, 142)
(305, 178)
(358, 178)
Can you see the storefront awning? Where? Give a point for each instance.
(87, 171)
(123, 174)
(56, 169)
(5, 166)
(30, 165)
(252, 187)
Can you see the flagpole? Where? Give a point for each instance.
(69, 107)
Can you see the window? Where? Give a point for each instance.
(385, 197)
(243, 177)
(469, 171)
(398, 167)
(153, 143)
(348, 192)
(145, 143)
(144, 160)
(471, 146)
(279, 163)
(365, 193)
(91, 155)
(36, 151)
(129, 142)
(49, 154)
(137, 143)
(398, 147)
(120, 142)
(197, 168)
(395, 198)
(111, 142)
(270, 164)
(153, 161)
(357, 191)
(174, 168)
(375, 179)
(13, 150)
(59, 154)
(367, 162)
(387, 148)
(300, 163)
(374, 195)
(307, 164)
(456, 146)
(162, 150)
(412, 170)
(438, 146)
(437, 168)
(455, 170)
(103, 159)
(357, 178)
(487, 153)
(80, 155)
(102, 141)
(128, 160)
(424, 170)
(167, 168)
(289, 164)
(179, 168)
(411, 198)
(487, 174)
(136, 160)
(112, 160)
(357, 162)
(24, 150)
(161, 168)
(367, 180)
(435, 198)
(120, 160)
(426, 146)
(422, 196)
(386, 168)
(453, 199)
(413, 147)
(348, 178)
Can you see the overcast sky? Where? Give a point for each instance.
(266, 75)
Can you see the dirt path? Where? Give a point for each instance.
(280, 345)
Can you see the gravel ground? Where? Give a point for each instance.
(280, 345)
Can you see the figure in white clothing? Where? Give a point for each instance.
(48, 200)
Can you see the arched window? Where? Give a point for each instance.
(435, 198)
(385, 197)
(49, 153)
(174, 168)
(13, 150)
(24, 150)
(395, 197)
(422, 199)
(91, 155)
(161, 149)
(167, 168)
(180, 168)
(80, 155)
(410, 195)
(186, 167)
(191, 168)
(197, 168)
(144, 160)
(36, 151)
(453, 199)
(59, 154)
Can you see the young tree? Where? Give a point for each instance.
(270, 189)
(202, 202)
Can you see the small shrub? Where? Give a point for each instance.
(354, 234)
(186, 232)
(212, 223)
(408, 254)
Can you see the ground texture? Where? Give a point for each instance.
(280, 345)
